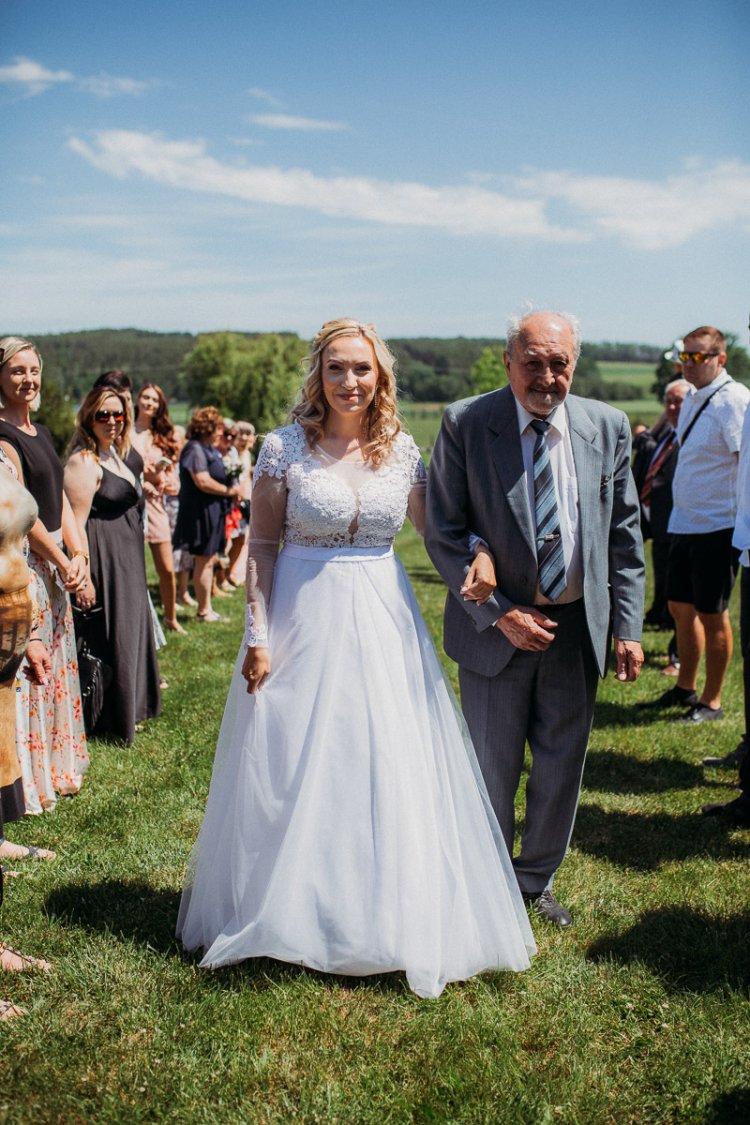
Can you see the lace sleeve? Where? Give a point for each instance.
(267, 516)
(418, 481)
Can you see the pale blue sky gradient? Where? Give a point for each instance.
(428, 166)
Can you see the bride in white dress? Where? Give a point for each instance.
(347, 828)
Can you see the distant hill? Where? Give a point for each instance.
(429, 368)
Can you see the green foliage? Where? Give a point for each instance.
(488, 373)
(55, 413)
(76, 359)
(253, 379)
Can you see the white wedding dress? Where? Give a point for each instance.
(347, 828)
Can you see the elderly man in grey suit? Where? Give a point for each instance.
(543, 477)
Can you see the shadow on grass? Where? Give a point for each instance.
(612, 772)
(608, 714)
(644, 841)
(729, 1108)
(134, 911)
(690, 950)
(426, 574)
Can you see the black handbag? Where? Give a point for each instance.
(95, 676)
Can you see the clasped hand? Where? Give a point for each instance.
(528, 628)
(480, 581)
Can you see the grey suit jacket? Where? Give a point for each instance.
(476, 484)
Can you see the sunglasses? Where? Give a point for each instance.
(698, 358)
(230, 433)
(105, 415)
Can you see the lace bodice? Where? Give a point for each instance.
(306, 497)
(332, 503)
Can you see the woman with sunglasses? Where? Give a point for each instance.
(107, 501)
(51, 741)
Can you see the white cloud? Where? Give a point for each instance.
(31, 77)
(652, 215)
(286, 121)
(641, 214)
(187, 166)
(265, 96)
(108, 86)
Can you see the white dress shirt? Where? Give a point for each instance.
(566, 488)
(741, 537)
(704, 489)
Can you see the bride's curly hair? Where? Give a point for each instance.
(311, 409)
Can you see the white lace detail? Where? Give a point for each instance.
(256, 636)
(325, 510)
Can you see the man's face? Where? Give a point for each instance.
(701, 374)
(673, 401)
(541, 365)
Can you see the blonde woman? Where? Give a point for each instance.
(52, 743)
(347, 826)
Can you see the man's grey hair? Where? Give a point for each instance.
(516, 323)
(677, 383)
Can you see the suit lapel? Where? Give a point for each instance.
(587, 455)
(508, 461)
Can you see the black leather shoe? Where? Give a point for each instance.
(732, 760)
(700, 713)
(672, 697)
(736, 812)
(548, 908)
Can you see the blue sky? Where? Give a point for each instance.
(428, 166)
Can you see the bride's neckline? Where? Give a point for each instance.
(326, 456)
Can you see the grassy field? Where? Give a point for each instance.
(638, 1014)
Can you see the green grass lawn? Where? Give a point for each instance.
(638, 1014)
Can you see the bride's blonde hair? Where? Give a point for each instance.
(311, 409)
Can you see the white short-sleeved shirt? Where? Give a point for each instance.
(704, 488)
(741, 537)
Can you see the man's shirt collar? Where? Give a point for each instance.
(558, 418)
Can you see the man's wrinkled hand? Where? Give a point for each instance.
(628, 660)
(527, 628)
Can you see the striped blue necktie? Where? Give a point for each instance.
(549, 549)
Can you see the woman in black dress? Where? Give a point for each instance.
(51, 738)
(200, 527)
(107, 501)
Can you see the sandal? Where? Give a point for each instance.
(174, 627)
(14, 962)
(207, 618)
(26, 852)
(8, 1009)
(7, 873)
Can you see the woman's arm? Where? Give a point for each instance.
(267, 515)
(206, 483)
(82, 477)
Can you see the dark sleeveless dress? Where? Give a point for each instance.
(122, 634)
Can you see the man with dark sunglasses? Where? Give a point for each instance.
(702, 561)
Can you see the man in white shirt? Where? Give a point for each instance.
(702, 561)
(544, 478)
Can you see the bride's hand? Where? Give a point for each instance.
(256, 668)
(481, 580)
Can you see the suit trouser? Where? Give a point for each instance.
(545, 698)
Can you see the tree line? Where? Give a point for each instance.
(255, 375)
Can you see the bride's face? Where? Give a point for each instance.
(349, 372)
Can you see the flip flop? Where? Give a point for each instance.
(8, 1009)
(30, 852)
(36, 963)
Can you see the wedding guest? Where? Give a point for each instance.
(53, 751)
(153, 436)
(183, 560)
(19, 635)
(243, 443)
(200, 527)
(107, 499)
